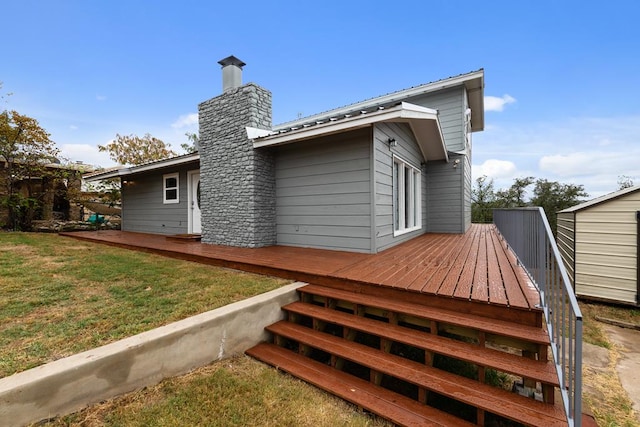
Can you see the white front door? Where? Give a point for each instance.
(195, 226)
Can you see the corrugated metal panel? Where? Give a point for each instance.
(611, 248)
(323, 196)
(606, 248)
(609, 288)
(565, 237)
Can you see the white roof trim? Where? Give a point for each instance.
(254, 133)
(128, 170)
(423, 122)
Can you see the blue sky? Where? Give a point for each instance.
(561, 76)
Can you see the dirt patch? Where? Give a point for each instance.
(627, 342)
(611, 386)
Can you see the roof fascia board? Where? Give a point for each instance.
(422, 121)
(601, 199)
(108, 175)
(124, 171)
(403, 111)
(420, 129)
(395, 96)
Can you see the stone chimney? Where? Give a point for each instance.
(231, 72)
(237, 182)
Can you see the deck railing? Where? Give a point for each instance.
(527, 232)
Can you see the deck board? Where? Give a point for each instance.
(476, 266)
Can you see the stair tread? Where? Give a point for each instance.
(543, 371)
(491, 399)
(385, 403)
(494, 326)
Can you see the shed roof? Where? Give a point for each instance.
(473, 81)
(601, 199)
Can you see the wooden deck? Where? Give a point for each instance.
(476, 266)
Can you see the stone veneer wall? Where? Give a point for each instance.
(237, 183)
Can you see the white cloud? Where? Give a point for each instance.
(101, 98)
(494, 168)
(185, 121)
(495, 103)
(73, 127)
(587, 151)
(85, 153)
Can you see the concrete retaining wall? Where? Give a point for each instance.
(70, 384)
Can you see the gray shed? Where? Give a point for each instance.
(599, 244)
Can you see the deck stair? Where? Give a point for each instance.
(394, 358)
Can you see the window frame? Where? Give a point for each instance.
(407, 197)
(165, 199)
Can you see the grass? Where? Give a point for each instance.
(60, 296)
(233, 392)
(609, 401)
(592, 329)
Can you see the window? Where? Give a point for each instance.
(407, 212)
(170, 188)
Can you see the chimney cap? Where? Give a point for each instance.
(231, 60)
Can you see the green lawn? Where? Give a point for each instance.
(60, 296)
(233, 392)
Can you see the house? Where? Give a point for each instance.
(599, 242)
(389, 177)
(361, 178)
(54, 186)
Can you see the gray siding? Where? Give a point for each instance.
(142, 207)
(467, 181)
(408, 150)
(466, 202)
(448, 189)
(450, 104)
(323, 196)
(447, 195)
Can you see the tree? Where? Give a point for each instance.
(514, 196)
(550, 195)
(193, 145)
(135, 150)
(554, 197)
(25, 151)
(483, 200)
(624, 182)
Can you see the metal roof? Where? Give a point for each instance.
(601, 199)
(129, 170)
(423, 121)
(473, 81)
